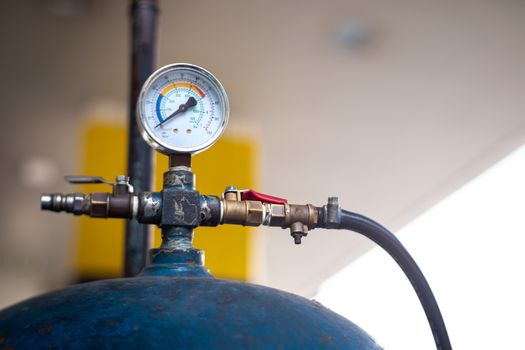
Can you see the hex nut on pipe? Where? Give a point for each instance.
(99, 204)
(247, 213)
(278, 215)
(255, 214)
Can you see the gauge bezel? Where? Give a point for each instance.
(150, 136)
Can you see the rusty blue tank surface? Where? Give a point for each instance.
(175, 304)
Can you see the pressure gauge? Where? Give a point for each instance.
(182, 108)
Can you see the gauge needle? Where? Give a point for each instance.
(182, 108)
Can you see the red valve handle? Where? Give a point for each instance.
(251, 195)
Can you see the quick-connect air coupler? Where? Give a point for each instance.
(71, 203)
(96, 204)
(120, 203)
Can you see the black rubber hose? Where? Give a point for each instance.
(386, 240)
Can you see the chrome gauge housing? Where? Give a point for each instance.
(182, 108)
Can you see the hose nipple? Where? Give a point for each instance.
(70, 203)
(46, 201)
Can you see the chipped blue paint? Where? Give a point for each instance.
(175, 313)
(175, 304)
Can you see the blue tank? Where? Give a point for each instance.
(176, 304)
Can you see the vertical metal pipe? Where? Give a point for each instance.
(144, 15)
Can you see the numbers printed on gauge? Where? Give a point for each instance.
(182, 108)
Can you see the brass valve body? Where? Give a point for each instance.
(255, 213)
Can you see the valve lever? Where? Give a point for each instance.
(78, 180)
(251, 195)
(121, 185)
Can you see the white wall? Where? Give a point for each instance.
(470, 246)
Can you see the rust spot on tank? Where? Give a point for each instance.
(325, 338)
(174, 294)
(316, 302)
(158, 308)
(190, 262)
(2, 338)
(46, 329)
(111, 323)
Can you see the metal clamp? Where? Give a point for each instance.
(332, 213)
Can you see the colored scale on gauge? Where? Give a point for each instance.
(167, 89)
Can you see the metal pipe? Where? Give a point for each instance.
(144, 15)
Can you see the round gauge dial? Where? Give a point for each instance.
(182, 108)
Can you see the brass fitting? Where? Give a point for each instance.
(246, 213)
(255, 213)
(292, 213)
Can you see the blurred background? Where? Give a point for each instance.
(392, 106)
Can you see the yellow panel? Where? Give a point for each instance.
(100, 241)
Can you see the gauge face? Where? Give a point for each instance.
(182, 108)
